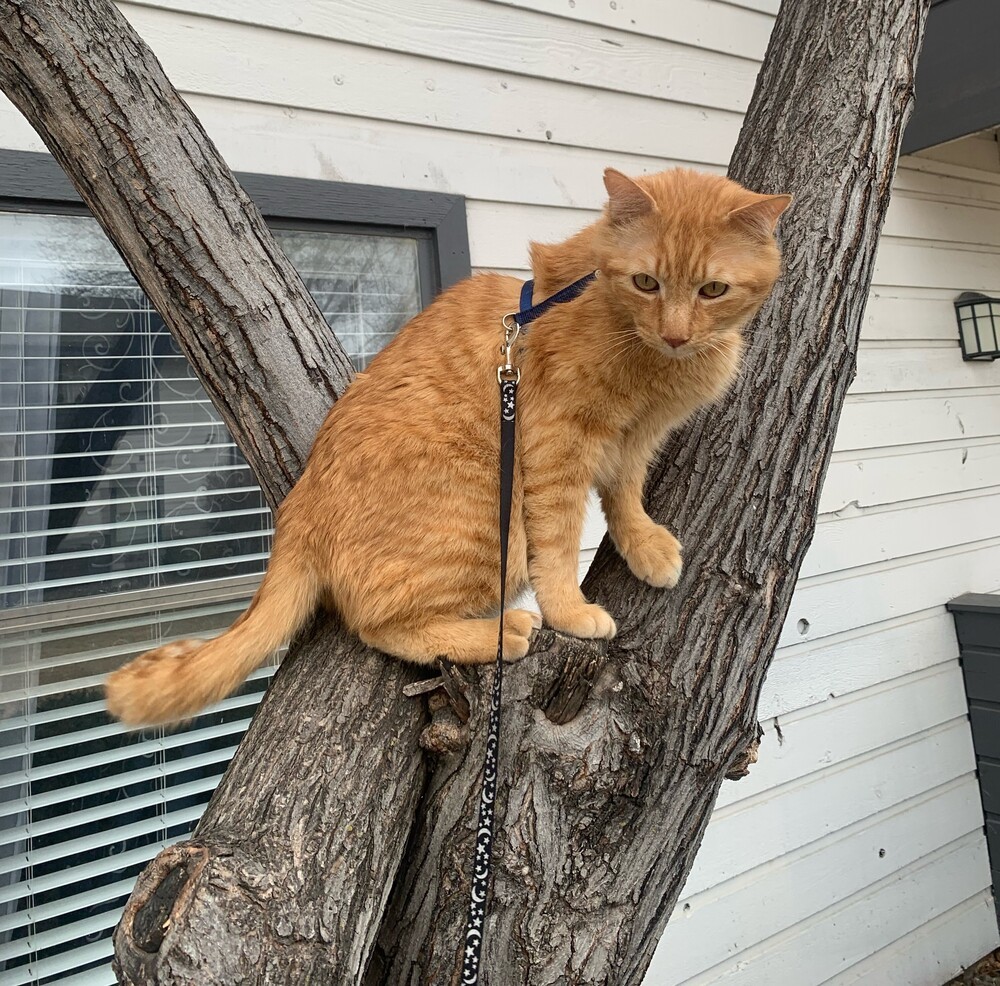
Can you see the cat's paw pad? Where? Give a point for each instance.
(587, 620)
(656, 558)
(518, 625)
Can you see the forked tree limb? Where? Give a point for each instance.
(612, 760)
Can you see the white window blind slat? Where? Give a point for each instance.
(14, 724)
(113, 834)
(94, 624)
(247, 513)
(164, 428)
(205, 565)
(108, 812)
(214, 758)
(102, 976)
(58, 936)
(127, 549)
(70, 741)
(137, 501)
(66, 905)
(66, 961)
(80, 873)
(67, 681)
(135, 476)
(167, 403)
(19, 723)
(162, 379)
(141, 749)
(159, 772)
(127, 453)
(44, 691)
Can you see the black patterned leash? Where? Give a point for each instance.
(508, 377)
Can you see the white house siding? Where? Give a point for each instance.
(854, 852)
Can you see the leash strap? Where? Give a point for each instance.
(475, 925)
(508, 377)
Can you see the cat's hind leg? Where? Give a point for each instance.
(464, 641)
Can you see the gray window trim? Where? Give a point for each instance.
(31, 181)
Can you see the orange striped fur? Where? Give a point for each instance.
(393, 523)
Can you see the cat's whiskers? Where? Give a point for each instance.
(618, 343)
(723, 348)
(615, 355)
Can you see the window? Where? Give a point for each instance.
(128, 517)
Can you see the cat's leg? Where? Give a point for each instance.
(651, 551)
(555, 493)
(464, 641)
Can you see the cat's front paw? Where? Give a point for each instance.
(586, 620)
(655, 557)
(518, 626)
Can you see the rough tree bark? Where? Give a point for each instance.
(612, 758)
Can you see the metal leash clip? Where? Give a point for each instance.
(506, 371)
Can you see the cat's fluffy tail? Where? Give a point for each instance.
(178, 680)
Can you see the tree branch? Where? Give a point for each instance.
(193, 239)
(286, 876)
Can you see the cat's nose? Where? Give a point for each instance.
(675, 342)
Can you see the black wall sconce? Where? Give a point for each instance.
(978, 325)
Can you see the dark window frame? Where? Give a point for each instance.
(34, 182)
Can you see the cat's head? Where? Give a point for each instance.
(686, 257)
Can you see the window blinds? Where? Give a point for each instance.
(84, 804)
(127, 518)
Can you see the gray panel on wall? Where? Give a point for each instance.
(989, 784)
(977, 623)
(958, 74)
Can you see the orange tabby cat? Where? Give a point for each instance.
(394, 521)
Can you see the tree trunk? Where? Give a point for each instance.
(611, 759)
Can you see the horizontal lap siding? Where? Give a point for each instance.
(931, 951)
(853, 852)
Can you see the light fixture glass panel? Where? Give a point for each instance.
(969, 337)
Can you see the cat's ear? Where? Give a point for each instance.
(627, 200)
(761, 216)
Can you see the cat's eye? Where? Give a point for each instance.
(714, 289)
(645, 283)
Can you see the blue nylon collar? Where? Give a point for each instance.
(529, 313)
